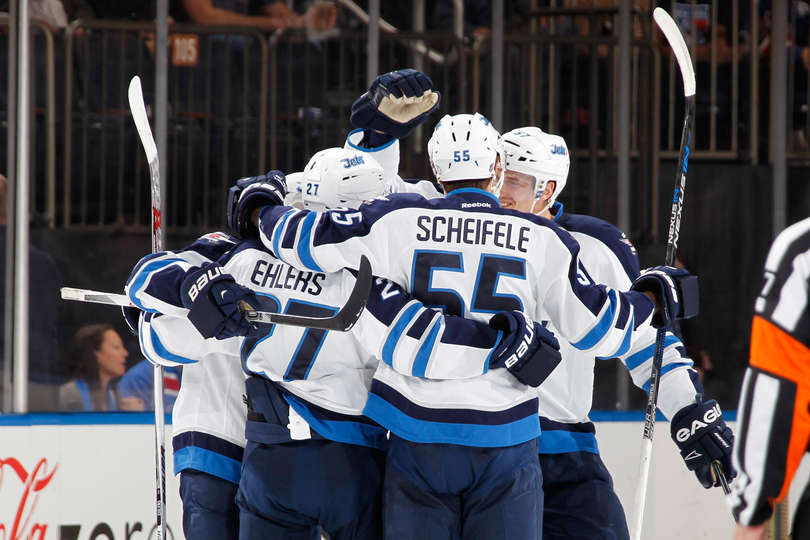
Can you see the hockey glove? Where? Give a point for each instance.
(213, 299)
(675, 291)
(396, 103)
(703, 438)
(252, 193)
(527, 350)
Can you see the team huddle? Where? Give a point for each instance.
(457, 405)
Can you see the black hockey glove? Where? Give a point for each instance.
(250, 194)
(213, 299)
(396, 103)
(527, 350)
(703, 438)
(132, 316)
(675, 290)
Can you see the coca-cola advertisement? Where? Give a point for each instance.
(82, 483)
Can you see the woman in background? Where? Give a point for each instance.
(99, 357)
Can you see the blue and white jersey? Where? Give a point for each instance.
(566, 396)
(208, 419)
(470, 257)
(325, 375)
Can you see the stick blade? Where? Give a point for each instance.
(675, 38)
(138, 109)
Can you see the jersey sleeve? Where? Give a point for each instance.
(387, 156)
(593, 317)
(173, 341)
(774, 419)
(333, 240)
(423, 342)
(154, 283)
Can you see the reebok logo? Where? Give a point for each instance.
(709, 417)
(476, 205)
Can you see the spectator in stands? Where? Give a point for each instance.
(272, 14)
(99, 358)
(135, 387)
(45, 369)
(708, 34)
(477, 16)
(798, 55)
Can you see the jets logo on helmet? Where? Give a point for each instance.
(463, 147)
(340, 177)
(529, 150)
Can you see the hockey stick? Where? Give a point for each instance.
(670, 30)
(342, 321)
(138, 109)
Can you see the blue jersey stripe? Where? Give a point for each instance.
(203, 460)
(396, 332)
(625, 346)
(165, 353)
(209, 442)
(645, 354)
(421, 431)
(596, 333)
(305, 243)
(494, 348)
(362, 432)
(143, 276)
(278, 231)
(422, 357)
(453, 416)
(666, 369)
(562, 442)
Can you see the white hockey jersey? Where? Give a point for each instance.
(566, 396)
(208, 419)
(469, 256)
(324, 376)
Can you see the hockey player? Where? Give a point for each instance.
(463, 454)
(579, 497)
(208, 420)
(308, 443)
(774, 409)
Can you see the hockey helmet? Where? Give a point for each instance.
(339, 177)
(544, 156)
(463, 147)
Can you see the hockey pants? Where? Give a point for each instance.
(209, 507)
(289, 491)
(446, 492)
(579, 499)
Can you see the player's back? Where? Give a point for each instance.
(326, 368)
(473, 258)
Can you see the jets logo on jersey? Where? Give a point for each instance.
(709, 417)
(348, 163)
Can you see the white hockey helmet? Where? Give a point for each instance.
(339, 177)
(544, 156)
(463, 147)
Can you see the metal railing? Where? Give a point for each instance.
(42, 179)
(241, 101)
(217, 121)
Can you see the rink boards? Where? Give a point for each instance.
(91, 476)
